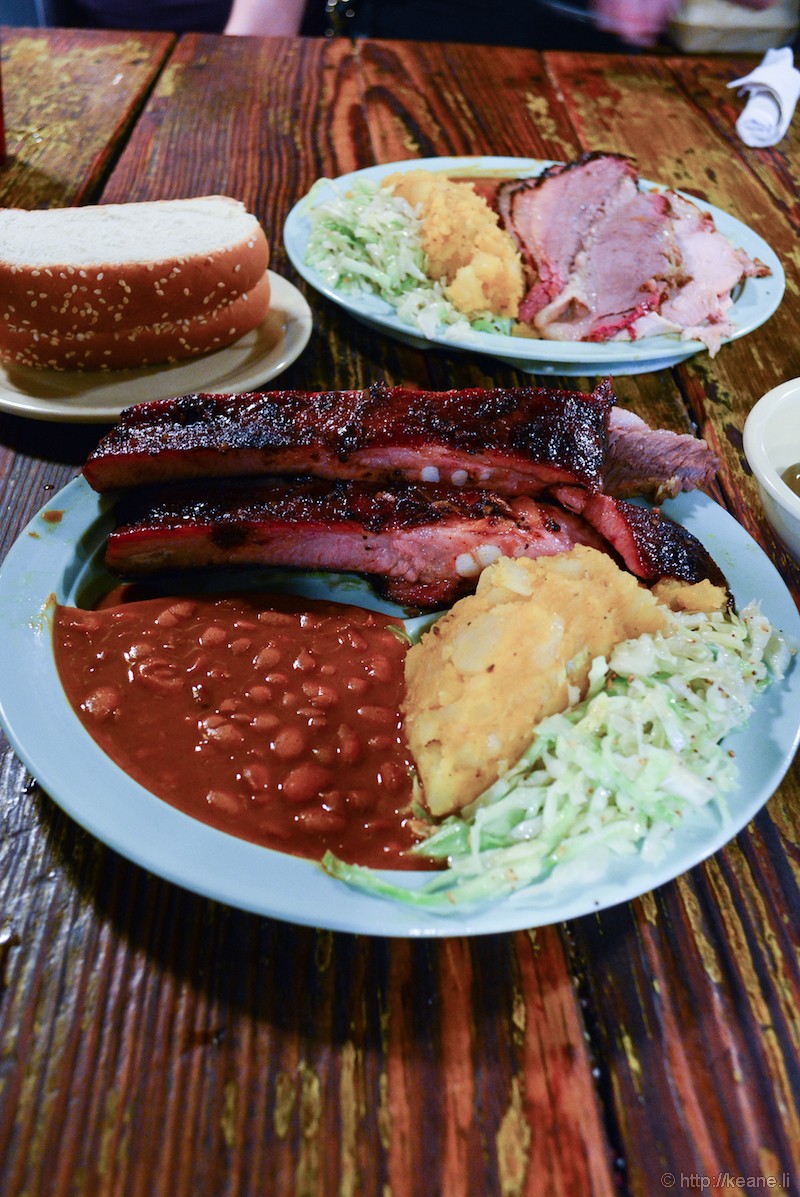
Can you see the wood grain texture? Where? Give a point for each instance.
(70, 99)
(156, 1044)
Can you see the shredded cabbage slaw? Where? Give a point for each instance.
(617, 773)
(367, 241)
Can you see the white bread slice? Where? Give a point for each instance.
(70, 270)
(140, 346)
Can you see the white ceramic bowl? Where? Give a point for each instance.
(772, 445)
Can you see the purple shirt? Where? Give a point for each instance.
(176, 16)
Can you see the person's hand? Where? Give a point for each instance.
(636, 21)
(640, 22)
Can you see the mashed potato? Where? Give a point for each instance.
(463, 243)
(502, 659)
(686, 596)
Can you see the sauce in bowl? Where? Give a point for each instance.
(791, 476)
(276, 719)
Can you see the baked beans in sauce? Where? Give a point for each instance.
(275, 718)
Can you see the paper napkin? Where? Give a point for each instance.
(773, 89)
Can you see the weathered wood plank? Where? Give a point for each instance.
(705, 81)
(61, 140)
(430, 100)
(261, 101)
(669, 1003)
(704, 978)
(234, 1048)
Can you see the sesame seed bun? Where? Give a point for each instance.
(139, 345)
(124, 266)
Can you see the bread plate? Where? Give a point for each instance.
(755, 301)
(58, 557)
(99, 396)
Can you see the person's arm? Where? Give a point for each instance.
(268, 18)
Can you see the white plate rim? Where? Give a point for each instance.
(612, 357)
(99, 397)
(53, 558)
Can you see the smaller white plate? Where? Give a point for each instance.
(754, 302)
(93, 397)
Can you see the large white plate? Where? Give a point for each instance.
(93, 397)
(57, 556)
(755, 302)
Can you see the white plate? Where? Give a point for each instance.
(61, 559)
(755, 302)
(97, 396)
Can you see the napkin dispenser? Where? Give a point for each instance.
(721, 27)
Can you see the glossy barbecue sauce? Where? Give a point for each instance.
(275, 718)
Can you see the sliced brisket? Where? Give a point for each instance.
(606, 260)
(551, 218)
(653, 462)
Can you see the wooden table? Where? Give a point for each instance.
(154, 1043)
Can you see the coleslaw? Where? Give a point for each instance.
(615, 773)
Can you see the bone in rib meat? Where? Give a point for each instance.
(424, 544)
(509, 440)
(512, 440)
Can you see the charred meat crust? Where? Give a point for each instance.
(519, 440)
(304, 500)
(507, 189)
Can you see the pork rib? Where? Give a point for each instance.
(650, 545)
(424, 545)
(512, 441)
